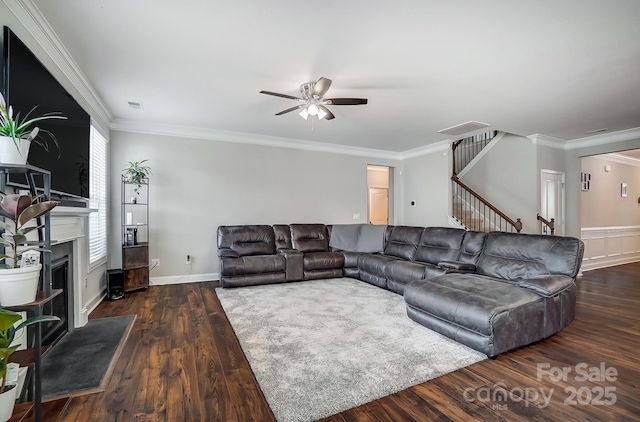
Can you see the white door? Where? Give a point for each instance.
(378, 206)
(552, 200)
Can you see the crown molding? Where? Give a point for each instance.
(37, 26)
(427, 149)
(605, 138)
(548, 141)
(620, 159)
(247, 138)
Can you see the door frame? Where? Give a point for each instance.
(562, 194)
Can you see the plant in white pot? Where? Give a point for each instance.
(8, 329)
(19, 285)
(16, 134)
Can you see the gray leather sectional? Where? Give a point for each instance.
(493, 292)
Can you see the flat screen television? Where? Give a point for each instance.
(27, 83)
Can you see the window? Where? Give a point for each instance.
(97, 197)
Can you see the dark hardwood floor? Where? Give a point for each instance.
(183, 362)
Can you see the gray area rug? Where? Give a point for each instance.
(80, 363)
(324, 346)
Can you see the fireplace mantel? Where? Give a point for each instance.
(71, 224)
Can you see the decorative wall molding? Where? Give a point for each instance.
(620, 159)
(548, 141)
(608, 246)
(603, 139)
(181, 279)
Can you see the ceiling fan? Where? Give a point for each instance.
(313, 101)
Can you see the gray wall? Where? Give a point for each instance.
(426, 180)
(198, 185)
(603, 205)
(507, 177)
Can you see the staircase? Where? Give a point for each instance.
(469, 209)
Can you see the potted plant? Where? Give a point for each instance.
(136, 173)
(19, 285)
(16, 134)
(8, 330)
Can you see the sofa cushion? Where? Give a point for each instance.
(470, 301)
(282, 235)
(472, 246)
(248, 265)
(323, 260)
(514, 256)
(247, 240)
(309, 237)
(375, 263)
(403, 242)
(439, 244)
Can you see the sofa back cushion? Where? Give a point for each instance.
(513, 256)
(471, 248)
(283, 236)
(403, 242)
(439, 244)
(247, 240)
(309, 237)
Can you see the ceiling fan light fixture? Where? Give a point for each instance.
(321, 114)
(312, 109)
(304, 114)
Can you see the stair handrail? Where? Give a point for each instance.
(517, 224)
(549, 223)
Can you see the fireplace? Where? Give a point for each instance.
(62, 305)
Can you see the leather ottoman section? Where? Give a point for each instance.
(469, 308)
(318, 274)
(252, 280)
(248, 265)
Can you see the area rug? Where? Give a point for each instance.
(324, 346)
(82, 362)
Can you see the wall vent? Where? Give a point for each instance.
(463, 128)
(136, 105)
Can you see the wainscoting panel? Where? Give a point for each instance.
(607, 246)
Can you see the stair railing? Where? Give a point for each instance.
(547, 223)
(476, 213)
(466, 149)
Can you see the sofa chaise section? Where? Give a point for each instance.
(523, 290)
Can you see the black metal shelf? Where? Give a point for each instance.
(45, 292)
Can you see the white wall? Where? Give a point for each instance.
(198, 185)
(507, 177)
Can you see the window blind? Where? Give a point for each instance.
(97, 197)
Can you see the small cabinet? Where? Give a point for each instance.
(135, 234)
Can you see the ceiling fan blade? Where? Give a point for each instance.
(280, 95)
(329, 115)
(347, 101)
(290, 109)
(321, 87)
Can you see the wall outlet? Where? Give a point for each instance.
(356, 216)
(155, 262)
(188, 260)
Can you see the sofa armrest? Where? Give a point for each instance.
(546, 285)
(294, 260)
(227, 253)
(457, 266)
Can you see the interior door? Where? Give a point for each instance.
(552, 200)
(378, 206)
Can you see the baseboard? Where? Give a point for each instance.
(179, 279)
(89, 307)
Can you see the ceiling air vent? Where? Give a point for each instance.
(136, 105)
(463, 128)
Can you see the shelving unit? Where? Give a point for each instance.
(135, 234)
(45, 292)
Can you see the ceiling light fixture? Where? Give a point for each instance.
(321, 114)
(312, 109)
(304, 113)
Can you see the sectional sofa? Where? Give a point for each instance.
(493, 292)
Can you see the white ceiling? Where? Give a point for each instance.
(558, 68)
